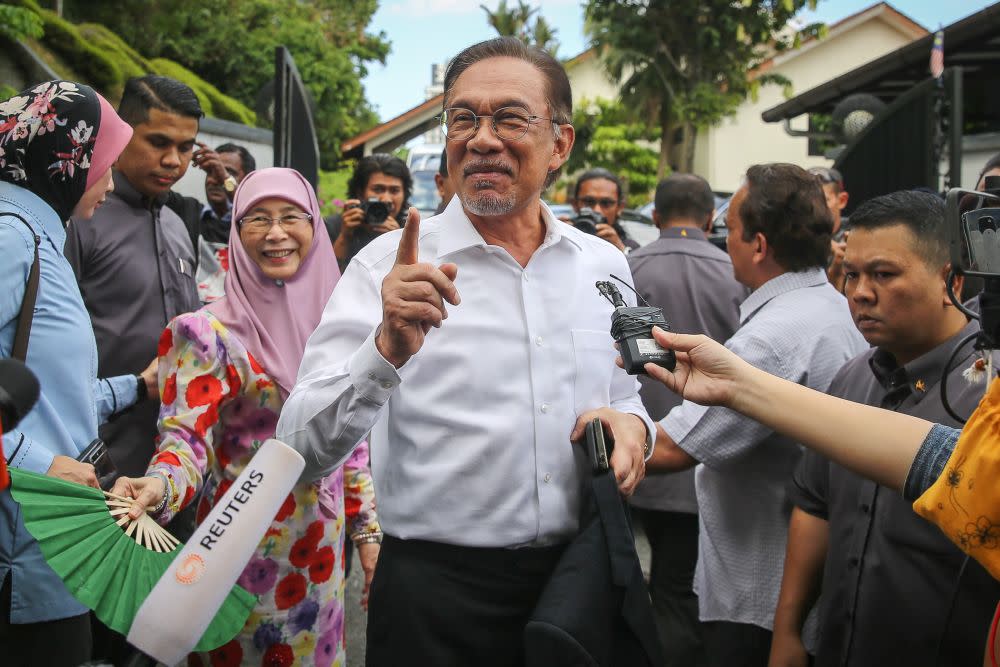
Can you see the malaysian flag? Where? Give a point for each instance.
(937, 55)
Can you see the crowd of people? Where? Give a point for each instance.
(448, 368)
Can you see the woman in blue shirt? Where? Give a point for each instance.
(58, 141)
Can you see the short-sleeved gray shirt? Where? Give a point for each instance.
(795, 326)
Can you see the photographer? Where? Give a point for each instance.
(598, 200)
(379, 190)
(836, 201)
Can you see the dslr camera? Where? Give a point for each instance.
(587, 220)
(376, 211)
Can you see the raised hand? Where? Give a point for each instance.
(413, 298)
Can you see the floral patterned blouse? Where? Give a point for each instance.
(218, 407)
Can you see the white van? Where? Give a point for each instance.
(425, 157)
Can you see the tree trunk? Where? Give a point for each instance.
(666, 143)
(687, 152)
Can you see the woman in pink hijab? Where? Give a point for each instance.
(225, 371)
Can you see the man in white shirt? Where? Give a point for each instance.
(473, 400)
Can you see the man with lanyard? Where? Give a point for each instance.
(859, 542)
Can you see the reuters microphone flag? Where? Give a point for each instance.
(181, 605)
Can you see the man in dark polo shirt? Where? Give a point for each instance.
(895, 591)
(692, 280)
(134, 261)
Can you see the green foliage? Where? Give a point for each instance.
(92, 53)
(516, 21)
(231, 43)
(607, 137)
(7, 92)
(332, 188)
(213, 103)
(690, 63)
(19, 23)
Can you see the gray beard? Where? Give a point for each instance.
(487, 205)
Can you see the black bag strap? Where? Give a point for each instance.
(20, 349)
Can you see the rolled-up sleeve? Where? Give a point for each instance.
(114, 395)
(930, 461)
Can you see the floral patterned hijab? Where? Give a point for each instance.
(57, 139)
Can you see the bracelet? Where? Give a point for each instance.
(373, 537)
(141, 390)
(166, 492)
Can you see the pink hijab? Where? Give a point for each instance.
(274, 321)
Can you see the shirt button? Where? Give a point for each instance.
(386, 384)
(548, 477)
(538, 341)
(545, 407)
(524, 277)
(853, 561)
(865, 507)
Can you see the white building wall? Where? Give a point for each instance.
(724, 153)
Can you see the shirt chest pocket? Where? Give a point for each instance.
(594, 359)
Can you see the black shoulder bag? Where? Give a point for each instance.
(20, 349)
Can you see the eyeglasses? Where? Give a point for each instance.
(509, 123)
(263, 223)
(594, 202)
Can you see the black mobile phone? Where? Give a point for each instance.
(599, 446)
(97, 455)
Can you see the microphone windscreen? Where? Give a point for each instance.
(18, 391)
(184, 601)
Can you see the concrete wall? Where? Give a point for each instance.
(214, 132)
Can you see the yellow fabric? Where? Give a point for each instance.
(964, 502)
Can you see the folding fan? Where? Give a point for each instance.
(108, 566)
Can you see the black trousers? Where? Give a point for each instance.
(61, 643)
(736, 644)
(673, 538)
(444, 605)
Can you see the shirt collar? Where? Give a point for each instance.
(128, 194)
(458, 232)
(922, 372)
(683, 233)
(786, 282)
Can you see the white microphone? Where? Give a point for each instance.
(180, 607)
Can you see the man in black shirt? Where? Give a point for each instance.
(895, 591)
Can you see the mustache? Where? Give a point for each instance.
(487, 165)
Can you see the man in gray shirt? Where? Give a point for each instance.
(796, 326)
(692, 280)
(134, 260)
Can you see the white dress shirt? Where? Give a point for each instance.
(470, 437)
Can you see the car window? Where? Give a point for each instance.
(425, 195)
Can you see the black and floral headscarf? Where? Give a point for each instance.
(47, 139)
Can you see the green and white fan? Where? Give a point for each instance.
(107, 561)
